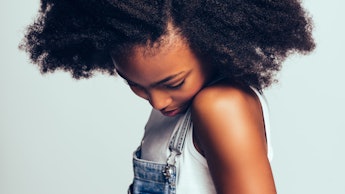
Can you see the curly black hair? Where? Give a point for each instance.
(245, 40)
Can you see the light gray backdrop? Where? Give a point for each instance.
(61, 136)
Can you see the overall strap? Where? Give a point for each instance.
(177, 141)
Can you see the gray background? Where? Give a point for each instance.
(61, 136)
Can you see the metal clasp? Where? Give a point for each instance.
(168, 171)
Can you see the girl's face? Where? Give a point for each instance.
(168, 76)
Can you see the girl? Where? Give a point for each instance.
(201, 65)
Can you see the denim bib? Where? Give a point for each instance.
(156, 178)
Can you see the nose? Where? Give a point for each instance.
(159, 99)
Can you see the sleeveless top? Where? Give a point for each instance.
(192, 173)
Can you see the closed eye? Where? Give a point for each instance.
(175, 86)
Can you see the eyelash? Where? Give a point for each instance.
(179, 85)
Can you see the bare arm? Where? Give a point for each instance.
(229, 129)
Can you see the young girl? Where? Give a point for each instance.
(201, 65)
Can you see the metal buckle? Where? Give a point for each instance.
(168, 170)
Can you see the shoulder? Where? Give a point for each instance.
(223, 99)
(227, 112)
(229, 130)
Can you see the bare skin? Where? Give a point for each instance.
(228, 121)
(229, 129)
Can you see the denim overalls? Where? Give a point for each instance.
(156, 178)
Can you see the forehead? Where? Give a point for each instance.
(145, 65)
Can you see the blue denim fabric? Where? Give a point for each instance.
(149, 178)
(155, 178)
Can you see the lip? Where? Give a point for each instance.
(176, 111)
(171, 113)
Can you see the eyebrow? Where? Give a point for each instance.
(154, 84)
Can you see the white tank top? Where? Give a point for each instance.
(193, 175)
